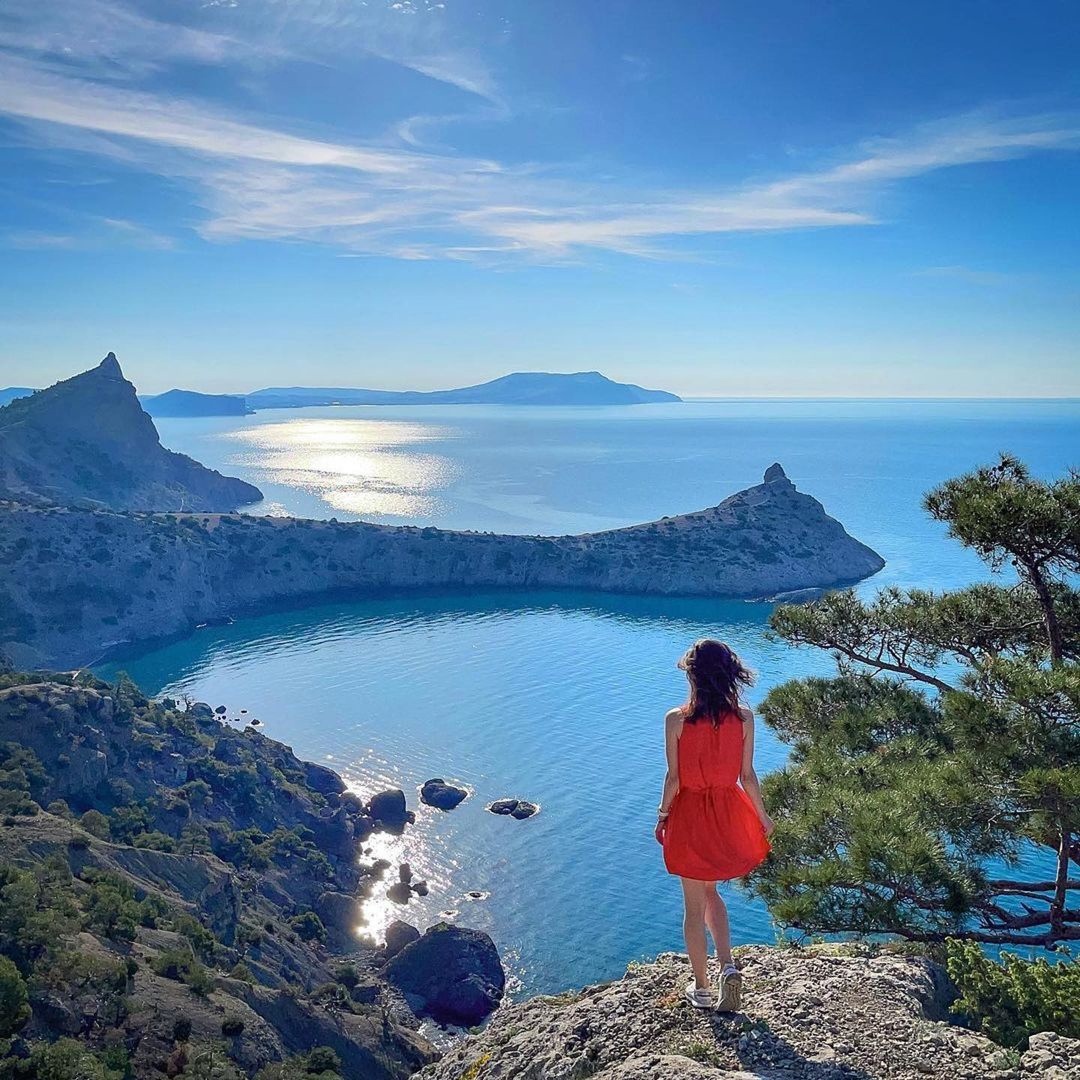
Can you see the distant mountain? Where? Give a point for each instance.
(10, 393)
(520, 388)
(87, 439)
(192, 403)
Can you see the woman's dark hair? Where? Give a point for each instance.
(715, 674)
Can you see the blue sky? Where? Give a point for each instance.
(774, 198)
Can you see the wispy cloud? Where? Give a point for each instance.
(90, 233)
(76, 78)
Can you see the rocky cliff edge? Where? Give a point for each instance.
(822, 1013)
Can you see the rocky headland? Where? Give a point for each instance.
(821, 1013)
(86, 440)
(176, 886)
(74, 580)
(82, 568)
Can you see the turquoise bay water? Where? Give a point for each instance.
(554, 697)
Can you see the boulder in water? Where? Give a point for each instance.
(387, 808)
(399, 892)
(515, 808)
(453, 973)
(441, 795)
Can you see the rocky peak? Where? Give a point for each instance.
(110, 366)
(88, 437)
(773, 473)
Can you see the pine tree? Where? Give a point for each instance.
(934, 783)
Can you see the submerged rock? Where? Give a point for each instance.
(441, 795)
(452, 973)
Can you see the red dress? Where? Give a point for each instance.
(713, 832)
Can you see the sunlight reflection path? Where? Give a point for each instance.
(366, 467)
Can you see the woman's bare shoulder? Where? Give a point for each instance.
(674, 717)
(746, 713)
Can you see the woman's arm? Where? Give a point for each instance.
(672, 727)
(747, 775)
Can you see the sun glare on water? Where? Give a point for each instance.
(365, 467)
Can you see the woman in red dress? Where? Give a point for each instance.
(711, 821)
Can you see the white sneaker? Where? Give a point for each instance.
(730, 990)
(699, 997)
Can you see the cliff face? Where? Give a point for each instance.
(160, 867)
(73, 581)
(815, 1014)
(87, 438)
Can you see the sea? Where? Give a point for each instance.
(555, 697)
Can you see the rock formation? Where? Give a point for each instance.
(451, 973)
(166, 880)
(519, 809)
(87, 440)
(823, 1013)
(443, 796)
(75, 580)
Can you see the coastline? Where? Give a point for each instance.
(134, 577)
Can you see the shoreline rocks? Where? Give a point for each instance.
(450, 973)
(387, 810)
(441, 795)
(398, 935)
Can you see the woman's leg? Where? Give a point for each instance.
(716, 918)
(694, 900)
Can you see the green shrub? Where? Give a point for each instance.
(156, 841)
(68, 1059)
(110, 905)
(322, 1059)
(21, 776)
(1013, 998)
(232, 1026)
(14, 999)
(95, 823)
(181, 1030)
(183, 967)
(308, 926)
(346, 974)
(202, 940)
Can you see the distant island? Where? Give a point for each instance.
(9, 393)
(519, 388)
(192, 403)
